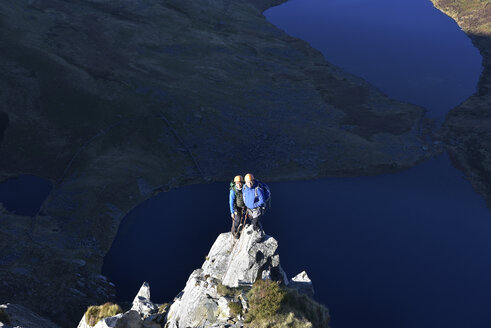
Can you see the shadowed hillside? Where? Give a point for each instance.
(467, 129)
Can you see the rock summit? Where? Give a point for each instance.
(230, 270)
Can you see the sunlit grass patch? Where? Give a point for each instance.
(97, 312)
(265, 299)
(273, 306)
(235, 308)
(223, 290)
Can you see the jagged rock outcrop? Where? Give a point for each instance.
(251, 257)
(302, 283)
(130, 319)
(230, 263)
(142, 303)
(21, 317)
(143, 314)
(229, 270)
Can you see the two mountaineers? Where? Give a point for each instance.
(236, 202)
(256, 194)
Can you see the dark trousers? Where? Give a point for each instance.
(255, 214)
(237, 218)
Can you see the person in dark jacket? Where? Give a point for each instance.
(237, 206)
(254, 200)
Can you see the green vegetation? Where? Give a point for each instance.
(223, 290)
(265, 299)
(273, 306)
(235, 308)
(97, 312)
(4, 317)
(309, 309)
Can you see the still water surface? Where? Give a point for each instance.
(400, 250)
(407, 48)
(24, 195)
(404, 250)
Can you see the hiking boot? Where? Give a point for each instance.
(260, 236)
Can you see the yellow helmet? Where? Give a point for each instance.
(249, 177)
(238, 178)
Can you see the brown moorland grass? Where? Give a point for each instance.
(97, 312)
(273, 306)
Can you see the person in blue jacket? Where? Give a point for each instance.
(236, 202)
(254, 200)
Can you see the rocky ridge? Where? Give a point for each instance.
(230, 269)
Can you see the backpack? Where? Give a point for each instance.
(266, 191)
(232, 187)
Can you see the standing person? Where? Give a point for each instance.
(256, 195)
(236, 202)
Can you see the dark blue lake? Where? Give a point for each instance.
(25, 194)
(405, 250)
(407, 48)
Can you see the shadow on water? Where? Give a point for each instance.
(389, 251)
(166, 238)
(25, 194)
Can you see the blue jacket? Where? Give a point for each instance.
(250, 199)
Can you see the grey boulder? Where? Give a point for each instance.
(130, 319)
(22, 317)
(244, 261)
(302, 283)
(142, 303)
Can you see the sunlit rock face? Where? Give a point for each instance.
(302, 283)
(242, 262)
(231, 263)
(143, 314)
(142, 303)
(230, 269)
(130, 319)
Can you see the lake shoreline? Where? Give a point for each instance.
(467, 128)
